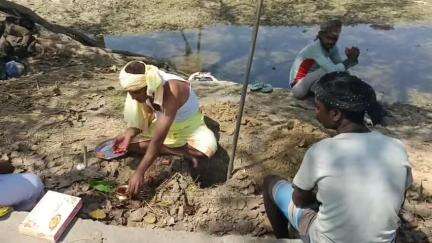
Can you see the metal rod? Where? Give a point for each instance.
(245, 85)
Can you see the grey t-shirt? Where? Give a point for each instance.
(361, 179)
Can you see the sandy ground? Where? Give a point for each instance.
(71, 99)
(132, 16)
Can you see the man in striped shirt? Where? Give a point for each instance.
(320, 57)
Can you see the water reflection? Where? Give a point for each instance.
(395, 60)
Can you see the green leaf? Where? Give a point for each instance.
(102, 186)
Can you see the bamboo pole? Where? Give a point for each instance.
(244, 90)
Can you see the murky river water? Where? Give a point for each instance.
(397, 61)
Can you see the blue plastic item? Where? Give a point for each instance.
(14, 69)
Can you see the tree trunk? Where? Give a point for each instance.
(19, 10)
(22, 11)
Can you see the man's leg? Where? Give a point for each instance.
(21, 191)
(202, 142)
(277, 219)
(303, 86)
(187, 151)
(282, 211)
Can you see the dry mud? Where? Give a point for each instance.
(71, 99)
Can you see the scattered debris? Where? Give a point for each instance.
(138, 215)
(80, 166)
(4, 211)
(150, 218)
(98, 214)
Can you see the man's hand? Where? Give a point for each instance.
(135, 183)
(122, 143)
(352, 53)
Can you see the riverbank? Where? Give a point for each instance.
(71, 99)
(132, 16)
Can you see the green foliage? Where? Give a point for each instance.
(102, 186)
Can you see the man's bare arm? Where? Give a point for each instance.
(163, 125)
(302, 198)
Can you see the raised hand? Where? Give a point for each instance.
(352, 53)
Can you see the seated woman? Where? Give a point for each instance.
(350, 187)
(20, 191)
(166, 110)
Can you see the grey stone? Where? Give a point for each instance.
(137, 215)
(254, 202)
(252, 214)
(240, 204)
(14, 154)
(250, 190)
(215, 227)
(244, 227)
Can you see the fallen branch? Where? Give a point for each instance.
(22, 11)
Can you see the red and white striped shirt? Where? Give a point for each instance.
(313, 57)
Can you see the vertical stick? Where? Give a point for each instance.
(37, 85)
(85, 155)
(245, 85)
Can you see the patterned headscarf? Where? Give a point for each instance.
(345, 92)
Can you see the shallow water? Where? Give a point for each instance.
(396, 61)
